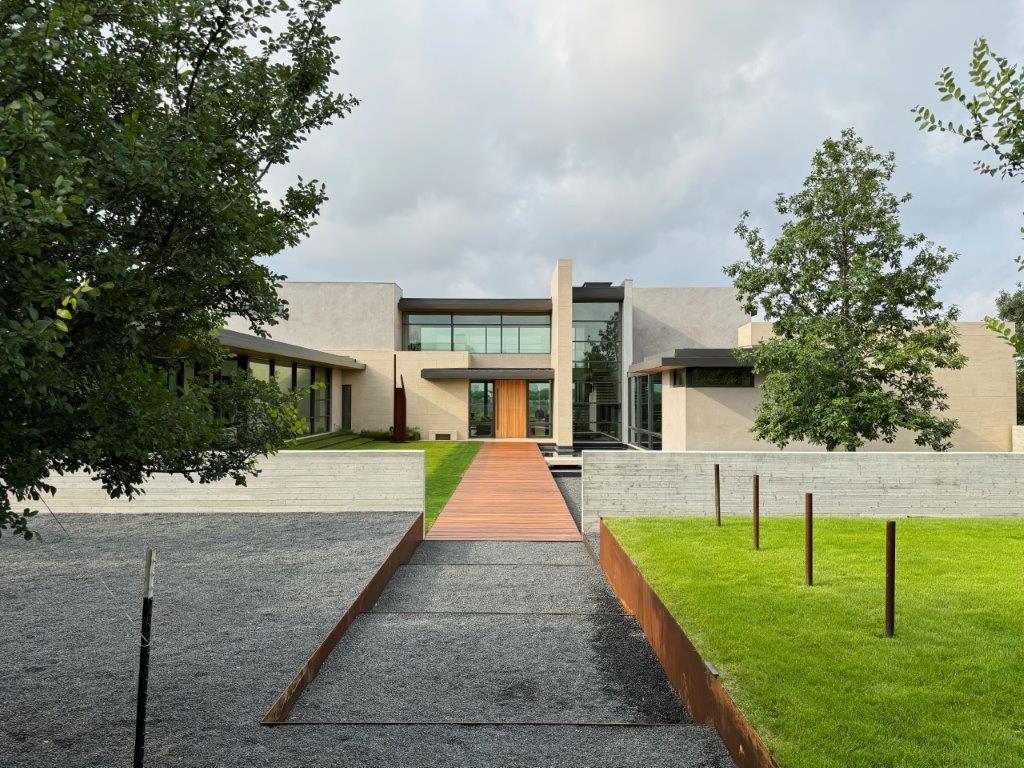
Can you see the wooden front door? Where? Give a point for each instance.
(510, 399)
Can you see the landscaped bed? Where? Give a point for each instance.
(810, 666)
(446, 462)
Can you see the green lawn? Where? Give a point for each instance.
(811, 668)
(445, 462)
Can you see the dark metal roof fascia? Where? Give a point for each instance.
(246, 343)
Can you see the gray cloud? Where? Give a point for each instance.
(495, 137)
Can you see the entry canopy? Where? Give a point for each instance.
(689, 358)
(529, 374)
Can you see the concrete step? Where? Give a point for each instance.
(499, 589)
(514, 552)
(445, 668)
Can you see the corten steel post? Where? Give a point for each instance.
(890, 578)
(808, 540)
(144, 646)
(757, 512)
(718, 496)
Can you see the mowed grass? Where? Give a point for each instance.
(445, 462)
(811, 668)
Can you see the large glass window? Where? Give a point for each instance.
(538, 405)
(259, 369)
(303, 380)
(321, 421)
(645, 411)
(490, 334)
(283, 375)
(596, 399)
(481, 409)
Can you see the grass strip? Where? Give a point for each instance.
(810, 666)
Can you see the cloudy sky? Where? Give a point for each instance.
(495, 137)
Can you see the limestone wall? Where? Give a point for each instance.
(291, 481)
(652, 483)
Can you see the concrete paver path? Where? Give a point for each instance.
(506, 653)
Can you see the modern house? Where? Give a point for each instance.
(649, 367)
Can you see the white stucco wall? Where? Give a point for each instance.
(291, 481)
(327, 316)
(665, 319)
(650, 483)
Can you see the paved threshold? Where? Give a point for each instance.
(490, 653)
(507, 494)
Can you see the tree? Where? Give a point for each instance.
(996, 121)
(858, 330)
(1010, 307)
(135, 138)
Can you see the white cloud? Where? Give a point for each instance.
(494, 138)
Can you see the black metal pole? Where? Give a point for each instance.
(890, 578)
(757, 512)
(144, 645)
(808, 540)
(718, 496)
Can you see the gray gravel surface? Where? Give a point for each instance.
(498, 588)
(572, 492)
(241, 601)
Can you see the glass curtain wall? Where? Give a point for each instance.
(315, 408)
(596, 371)
(645, 411)
(481, 334)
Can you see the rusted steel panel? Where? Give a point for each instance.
(704, 696)
(400, 555)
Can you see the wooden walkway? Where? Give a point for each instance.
(507, 494)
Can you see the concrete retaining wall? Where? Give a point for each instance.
(641, 483)
(291, 481)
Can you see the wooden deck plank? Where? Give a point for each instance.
(507, 494)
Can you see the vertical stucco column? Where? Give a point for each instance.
(626, 355)
(561, 353)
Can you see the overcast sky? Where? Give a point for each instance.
(495, 137)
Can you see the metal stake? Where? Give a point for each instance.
(718, 496)
(890, 578)
(144, 646)
(808, 540)
(757, 512)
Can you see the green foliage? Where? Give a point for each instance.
(134, 143)
(858, 328)
(995, 110)
(1010, 307)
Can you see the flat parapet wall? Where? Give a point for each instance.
(654, 483)
(290, 481)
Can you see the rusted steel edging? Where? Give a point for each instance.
(705, 697)
(280, 711)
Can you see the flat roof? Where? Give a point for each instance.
(533, 306)
(247, 342)
(530, 374)
(708, 357)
